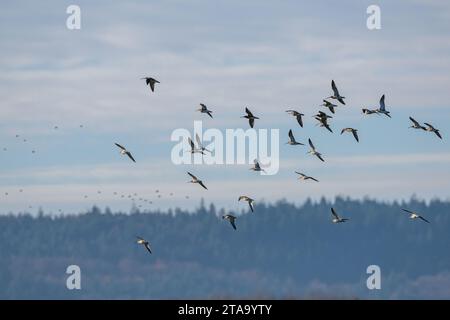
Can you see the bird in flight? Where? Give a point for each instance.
(336, 218)
(322, 117)
(124, 151)
(305, 177)
(150, 82)
(199, 143)
(314, 152)
(329, 105)
(204, 109)
(196, 180)
(292, 140)
(251, 118)
(382, 108)
(297, 115)
(430, 128)
(336, 94)
(414, 215)
(353, 131)
(249, 200)
(193, 148)
(144, 243)
(369, 111)
(416, 125)
(256, 166)
(230, 218)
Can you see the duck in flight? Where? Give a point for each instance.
(353, 131)
(204, 109)
(196, 180)
(336, 94)
(249, 200)
(251, 118)
(297, 115)
(150, 82)
(230, 218)
(305, 177)
(329, 105)
(292, 140)
(414, 215)
(416, 125)
(314, 152)
(256, 166)
(144, 243)
(430, 128)
(336, 218)
(370, 111)
(124, 151)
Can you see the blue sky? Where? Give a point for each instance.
(227, 54)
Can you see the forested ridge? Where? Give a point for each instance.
(279, 251)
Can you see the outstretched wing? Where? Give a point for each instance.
(152, 84)
(311, 144)
(414, 121)
(209, 113)
(291, 135)
(193, 177)
(130, 156)
(382, 105)
(334, 213)
(248, 112)
(420, 217)
(355, 134)
(408, 211)
(335, 90)
(201, 183)
(233, 223)
(299, 120)
(438, 134)
(121, 147)
(320, 157)
(147, 246)
(197, 138)
(251, 121)
(191, 143)
(250, 203)
(314, 179)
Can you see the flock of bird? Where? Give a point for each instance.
(323, 121)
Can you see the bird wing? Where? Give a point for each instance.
(201, 183)
(408, 211)
(341, 101)
(209, 113)
(314, 179)
(334, 213)
(232, 223)
(320, 157)
(428, 125)
(191, 143)
(331, 108)
(121, 147)
(250, 203)
(197, 138)
(130, 156)
(248, 112)
(420, 217)
(382, 105)
(335, 90)
(328, 127)
(438, 134)
(355, 134)
(299, 173)
(152, 84)
(414, 121)
(193, 177)
(311, 144)
(343, 130)
(291, 135)
(203, 107)
(299, 120)
(147, 246)
(139, 238)
(252, 122)
(257, 166)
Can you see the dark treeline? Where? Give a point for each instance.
(280, 251)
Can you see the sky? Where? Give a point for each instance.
(267, 56)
